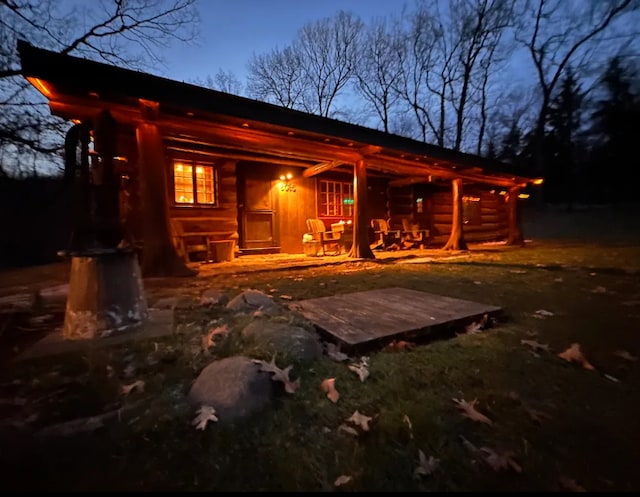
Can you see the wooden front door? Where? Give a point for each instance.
(257, 214)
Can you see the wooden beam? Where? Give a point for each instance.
(319, 168)
(360, 247)
(409, 181)
(240, 156)
(247, 140)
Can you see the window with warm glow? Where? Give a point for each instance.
(336, 199)
(471, 210)
(194, 183)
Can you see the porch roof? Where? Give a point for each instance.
(62, 77)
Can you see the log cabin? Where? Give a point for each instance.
(195, 163)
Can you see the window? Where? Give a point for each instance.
(471, 210)
(336, 199)
(194, 183)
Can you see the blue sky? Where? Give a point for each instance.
(231, 30)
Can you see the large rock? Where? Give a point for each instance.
(234, 386)
(213, 297)
(251, 300)
(293, 342)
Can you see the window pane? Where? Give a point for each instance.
(183, 183)
(205, 184)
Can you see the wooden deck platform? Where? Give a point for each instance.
(365, 317)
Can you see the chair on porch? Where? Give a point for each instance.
(319, 235)
(384, 238)
(412, 235)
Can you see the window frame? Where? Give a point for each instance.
(346, 191)
(194, 163)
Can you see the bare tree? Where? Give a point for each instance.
(278, 77)
(378, 69)
(557, 33)
(128, 33)
(477, 26)
(426, 74)
(328, 51)
(225, 81)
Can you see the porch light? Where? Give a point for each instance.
(538, 181)
(41, 86)
(289, 175)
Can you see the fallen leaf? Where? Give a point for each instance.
(204, 415)
(535, 345)
(625, 355)
(361, 368)
(281, 375)
(360, 420)
(406, 419)
(477, 327)
(208, 340)
(469, 411)
(333, 351)
(558, 280)
(531, 333)
(542, 312)
(631, 303)
(342, 480)
(286, 297)
(425, 466)
(518, 271)
(328, 386)
(536, 415)
(136, 385)
(570, 484)
(348, 429)
(574, 354)
(599, 289)
(501, 460)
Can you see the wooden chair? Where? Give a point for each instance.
(384, 237)
(412, 235)
(320, 235)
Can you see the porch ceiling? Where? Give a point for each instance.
(243, 128)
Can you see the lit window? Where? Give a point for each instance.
(336, 199)
(194, 183)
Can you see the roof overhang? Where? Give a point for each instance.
(79, 89)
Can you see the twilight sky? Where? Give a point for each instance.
(231, 30)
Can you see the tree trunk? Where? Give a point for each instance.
(360, 247)
(515, 236)
(456, 239)
(159, 257)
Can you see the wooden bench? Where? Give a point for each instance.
(193, 235)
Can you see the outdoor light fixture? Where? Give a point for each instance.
(284, 184)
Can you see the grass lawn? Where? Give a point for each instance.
(585, 434)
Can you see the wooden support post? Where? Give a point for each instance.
(515, 236)
(456, 239)
(360, 247)
(159, 256)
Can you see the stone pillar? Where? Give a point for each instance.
(105, 294)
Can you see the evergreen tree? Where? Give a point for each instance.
(616, 127)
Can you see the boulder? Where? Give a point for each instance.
(234, 386)
(251, 300)
(284, 339)
(213, 297)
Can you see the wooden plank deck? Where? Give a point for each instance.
(363, 317)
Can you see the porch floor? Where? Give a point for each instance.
(365, 317)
